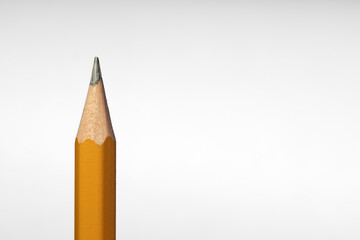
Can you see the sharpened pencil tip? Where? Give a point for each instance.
(96, 72)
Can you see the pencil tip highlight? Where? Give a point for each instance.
(96, 72)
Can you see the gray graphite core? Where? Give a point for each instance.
(96, 72)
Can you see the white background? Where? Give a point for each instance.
(234, 119)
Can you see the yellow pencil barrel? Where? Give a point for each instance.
(95, 198)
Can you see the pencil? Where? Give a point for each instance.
(95, 153)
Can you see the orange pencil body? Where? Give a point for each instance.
(95, 190)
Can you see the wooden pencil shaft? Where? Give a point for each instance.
(95, 182)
